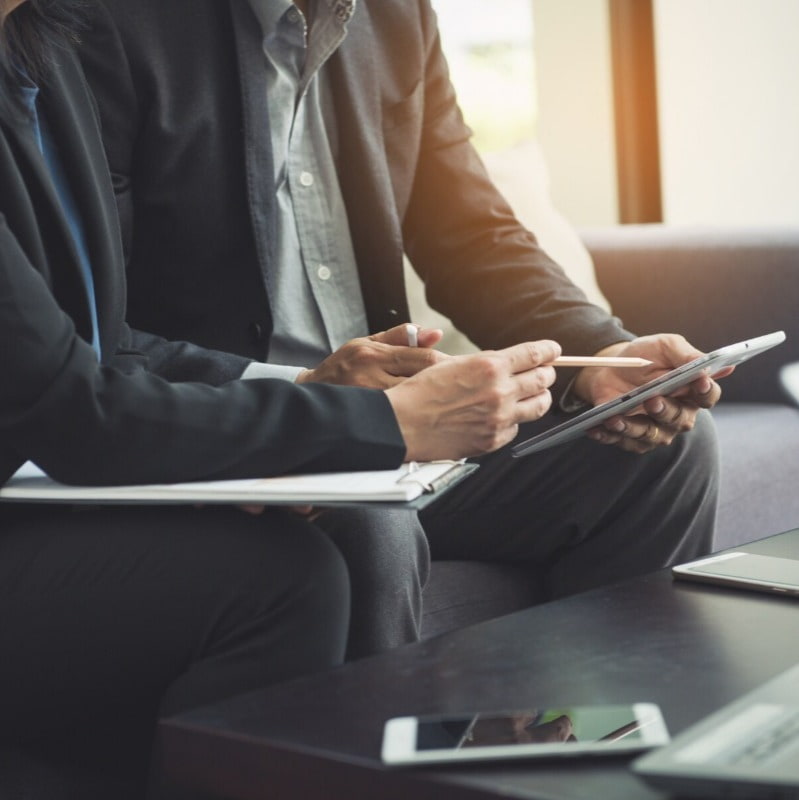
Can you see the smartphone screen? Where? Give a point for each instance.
(527, 732)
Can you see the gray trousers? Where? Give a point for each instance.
(580, 515)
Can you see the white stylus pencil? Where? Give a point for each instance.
(562, 361)
(600, 361)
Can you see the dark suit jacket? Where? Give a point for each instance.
(181, 90)
(121, 422)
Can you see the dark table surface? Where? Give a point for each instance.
(688, 647)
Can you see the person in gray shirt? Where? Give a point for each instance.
(274, 161)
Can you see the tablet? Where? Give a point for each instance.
(709, 363)
(744, 571)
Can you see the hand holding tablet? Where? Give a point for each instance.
(709, 364)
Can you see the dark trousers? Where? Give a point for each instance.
(584, 514)
(579, 515)
(112, 617)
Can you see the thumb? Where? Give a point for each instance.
(398, 336)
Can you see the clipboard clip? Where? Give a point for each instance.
(414, 473)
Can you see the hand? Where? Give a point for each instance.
(379, 361)
(660, 419)
(469, 405)
(309, 512)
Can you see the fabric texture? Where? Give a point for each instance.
(521, 174)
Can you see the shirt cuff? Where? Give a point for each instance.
(257, 369)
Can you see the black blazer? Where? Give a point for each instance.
(122, 422)
(180, 85)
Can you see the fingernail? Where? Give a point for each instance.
(618, 426)
(659, 407)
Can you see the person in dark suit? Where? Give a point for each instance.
(274, 161)
(113, 616)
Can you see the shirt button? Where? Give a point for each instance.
(324, 272)
(306, 179)
(293, 15)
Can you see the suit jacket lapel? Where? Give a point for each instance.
(257, 141)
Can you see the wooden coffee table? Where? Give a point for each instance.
(689, 648)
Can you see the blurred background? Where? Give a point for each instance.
(677, 111)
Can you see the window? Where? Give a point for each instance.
(489, 47)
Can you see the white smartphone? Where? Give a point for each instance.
(709, 363)
(744, 571)
(524, 733)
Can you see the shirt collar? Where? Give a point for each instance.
(269, 12)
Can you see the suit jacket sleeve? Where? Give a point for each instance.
(83, 423)
(179, 361)
(481, 267)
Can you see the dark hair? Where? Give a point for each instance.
(30, 38)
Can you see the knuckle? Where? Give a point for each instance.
(494, 399)
(533, 352)
(490, 367)
(361, 350)
(495, 420)
(431, 357)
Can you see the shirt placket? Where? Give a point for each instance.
(316, 236)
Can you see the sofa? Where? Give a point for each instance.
(715, 285)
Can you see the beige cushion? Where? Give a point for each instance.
(521, 175)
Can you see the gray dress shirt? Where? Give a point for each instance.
(314, 288)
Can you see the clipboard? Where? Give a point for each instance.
(708, 363)
(412, 485)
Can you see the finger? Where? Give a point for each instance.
(638, 433)
(671, 413)
(310, 513)
(532, 408)
(534, 381)
(398, 336)
(528, 355)
(407, 361)
(705, 392)
(252, 509)
(429, 337)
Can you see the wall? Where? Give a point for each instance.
(729, 110)
(575, 107)
(728, 95)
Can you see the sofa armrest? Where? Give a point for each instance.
(714, 285)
